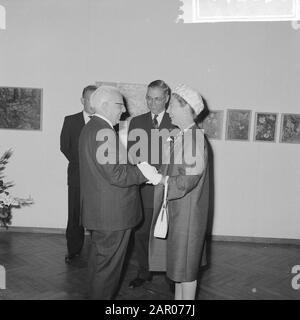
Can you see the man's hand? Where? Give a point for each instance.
(158, 179)
(147, 170)
(155, 179)
(150, 173)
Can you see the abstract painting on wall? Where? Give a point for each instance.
(238, 124)
(213, 124)
(290, 128)
(20, 108)
(265, 126)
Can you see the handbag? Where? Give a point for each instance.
(161, 226)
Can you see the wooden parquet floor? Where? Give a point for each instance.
(35, 270)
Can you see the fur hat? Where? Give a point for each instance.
(191, 96)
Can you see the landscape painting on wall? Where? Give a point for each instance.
(213, 124)
(290, 128)
(238, 124)
(265, 127)
(20, 108)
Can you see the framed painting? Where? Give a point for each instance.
(20, 108)
(238, 124)
(200, 11)
(265, 126)
(290, 128)
(213, 124)
(134, 94)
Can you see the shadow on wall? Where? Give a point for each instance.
(2, 18)
(200, 119)
(211, 188)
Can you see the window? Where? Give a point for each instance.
(194, 11)
(2, 18)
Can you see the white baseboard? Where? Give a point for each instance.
(256, 240)
(34, 230)
(213, 237)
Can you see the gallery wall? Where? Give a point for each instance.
(61, 46)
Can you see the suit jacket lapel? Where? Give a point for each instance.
(165, 122)
(178, 143)
(81, 120)
(149, 119)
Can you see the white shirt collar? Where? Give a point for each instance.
(86, 116)
(105, 119)
(159, 116)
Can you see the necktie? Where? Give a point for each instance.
(155, 122)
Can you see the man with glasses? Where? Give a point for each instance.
(157, 98)
(109, 200)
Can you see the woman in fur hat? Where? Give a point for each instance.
(182, 252)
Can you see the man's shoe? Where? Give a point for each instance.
(137, 282)
(70, 257)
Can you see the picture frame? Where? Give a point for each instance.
(134, 95)
(238, 124)
(21, 108)
(265, 127)
(213, 124)
(290, 128)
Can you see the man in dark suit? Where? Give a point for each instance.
(110, 205)
(69, 138)
(157, 98)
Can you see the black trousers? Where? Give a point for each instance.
(141, 243)
(106, 260)
(74, 232)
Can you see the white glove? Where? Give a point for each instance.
(150, 172)
(155, 179)
(147, 170)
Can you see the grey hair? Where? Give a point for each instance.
(101, 95)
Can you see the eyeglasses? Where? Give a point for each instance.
(156, 99)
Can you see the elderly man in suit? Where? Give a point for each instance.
(110, 204)
(157, 98)
(69, 137)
